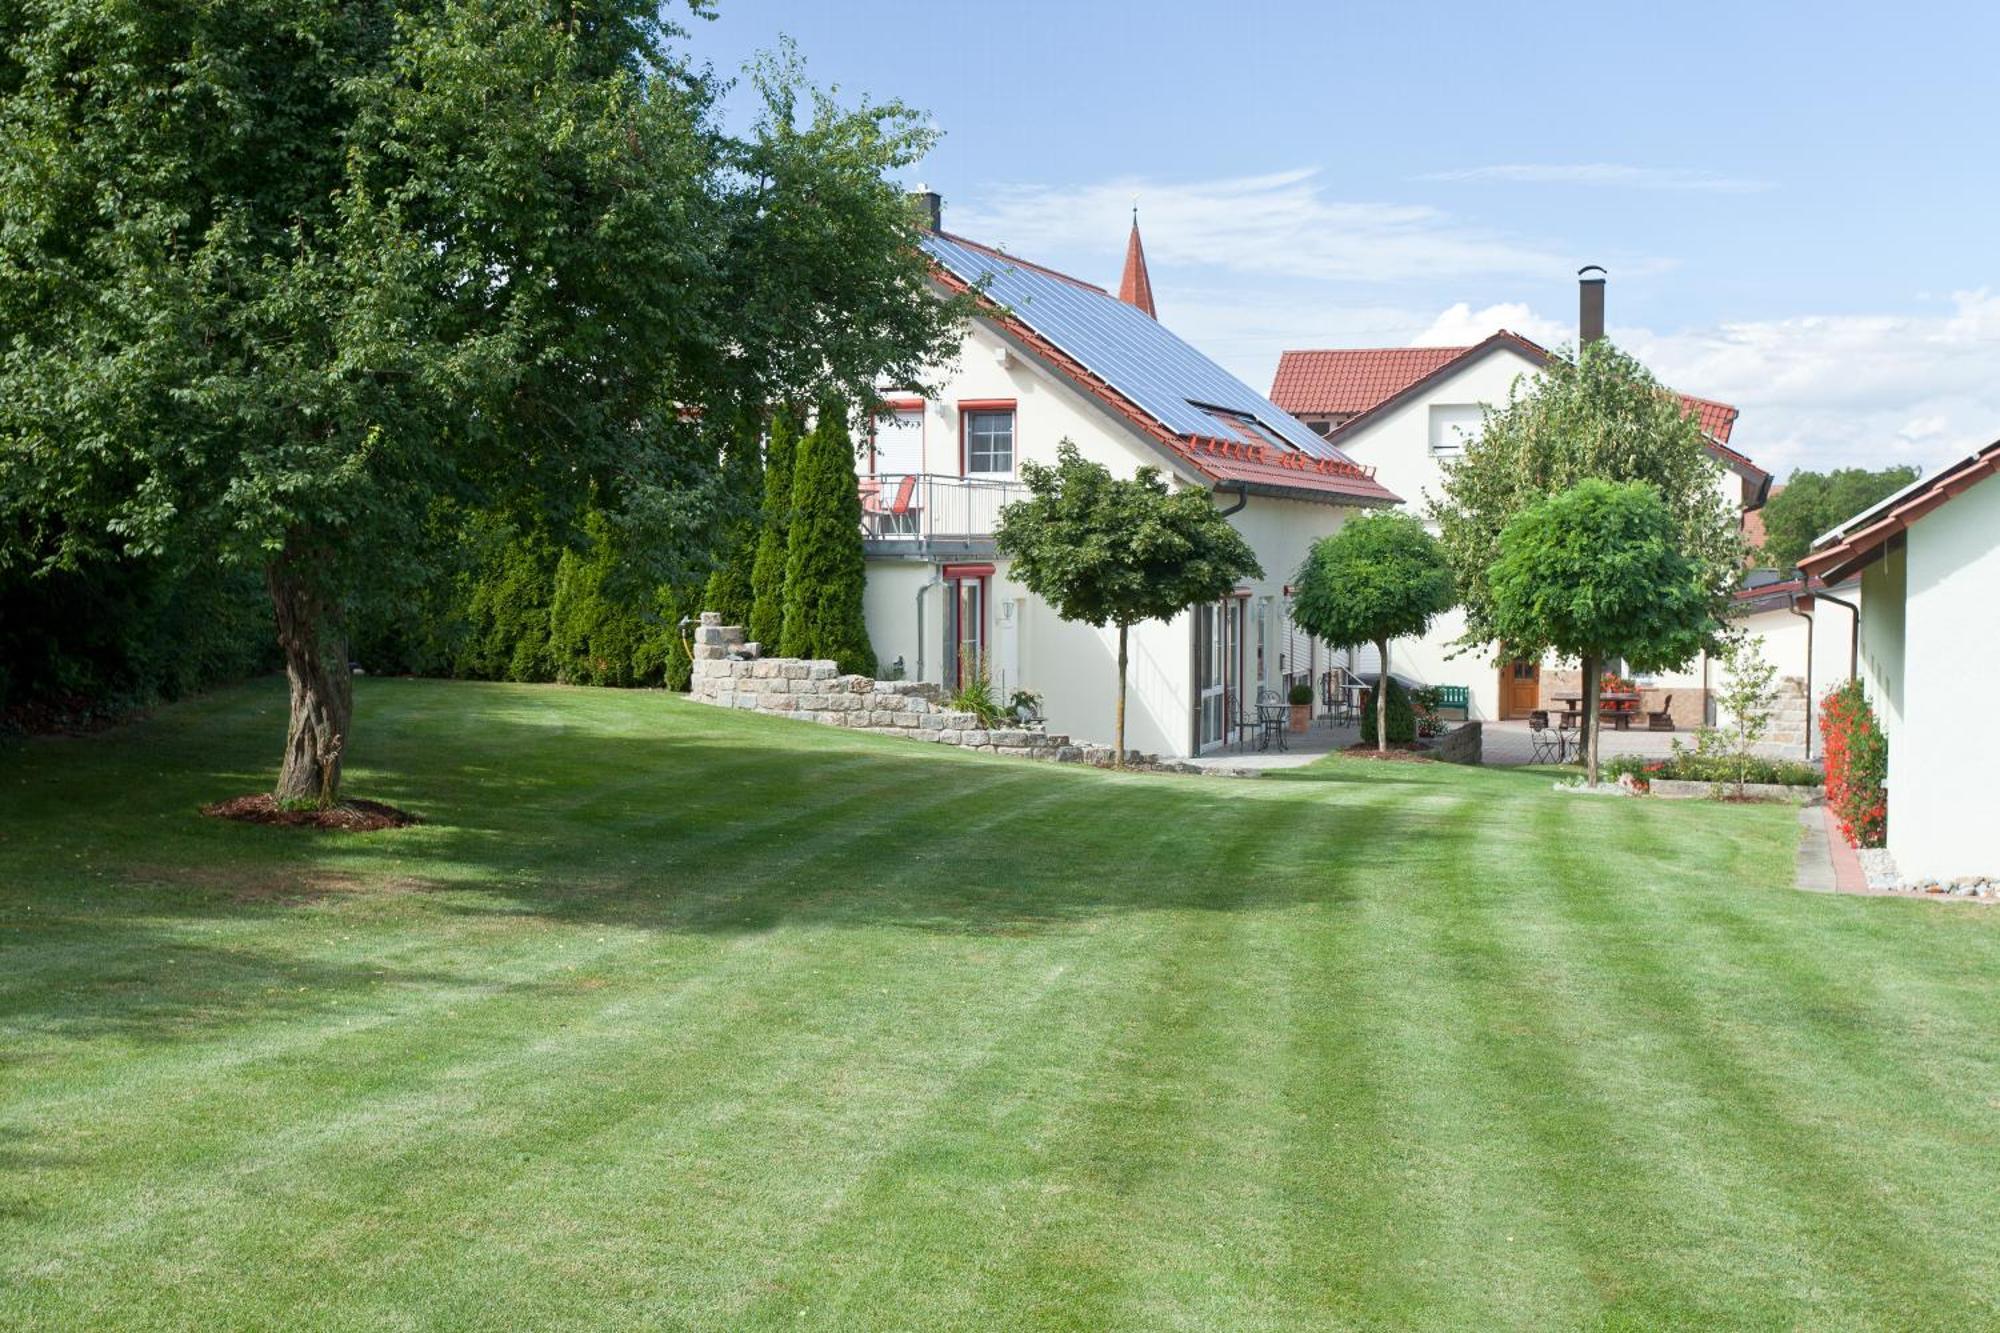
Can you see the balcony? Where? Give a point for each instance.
(925, 514)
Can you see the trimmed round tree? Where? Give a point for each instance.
(826, 572)
(1107, 551)
(767, 574)
(1595, 572)
(1381, 577)
(1600, 415)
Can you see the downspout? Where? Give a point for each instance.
(936, 579)
(1792, 599)
(1853, 633)
(1242, 497)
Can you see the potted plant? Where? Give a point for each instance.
(1027, 706)
(1301, 698)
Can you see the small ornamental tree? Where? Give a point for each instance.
(1381, 577)
(1601, 415)
(1748, 698)
(1857, 764)
(1597, 572)
(767, 574)
(1107, 551)
(729, 590)
(826, 572)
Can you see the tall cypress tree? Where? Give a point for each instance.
(827, 570)
(731, 587)
(767, 573)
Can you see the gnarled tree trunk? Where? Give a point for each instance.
(315, 647)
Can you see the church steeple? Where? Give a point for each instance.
(1136, 287)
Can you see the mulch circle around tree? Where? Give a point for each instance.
(348, 816)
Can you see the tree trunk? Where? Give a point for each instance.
(1382, 699)
(1118, 759)
(1591, 688)
(315, 648)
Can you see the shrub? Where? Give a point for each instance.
(1402, 714)
(1694, 766)
(1428, 701)
(1857, 762)
(975, 696)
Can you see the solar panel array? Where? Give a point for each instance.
(1128, 348)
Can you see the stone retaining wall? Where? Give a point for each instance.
(729, 673)
(1463, 744)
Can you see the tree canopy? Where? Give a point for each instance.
(1597, 572)
(1602, 416)
(1117, 551)
(279, 277)
(1815, 502)
(1380, 577)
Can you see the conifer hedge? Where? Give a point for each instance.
(826, 572)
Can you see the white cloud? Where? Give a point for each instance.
(1837, 390)
(1279, 224)
(1601, 173)
(1459, 325)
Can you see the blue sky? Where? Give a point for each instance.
(1798, 203)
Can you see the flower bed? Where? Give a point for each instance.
(1857, 762)
(1686, 768)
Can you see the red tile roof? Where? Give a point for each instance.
(1356, 382)
(1343, 381)
(1136, 287)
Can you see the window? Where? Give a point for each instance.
(989, 441)
(1453, 425)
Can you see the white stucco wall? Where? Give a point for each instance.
(1932, 672)
(1073, 666)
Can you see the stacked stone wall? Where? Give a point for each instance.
(730, 673)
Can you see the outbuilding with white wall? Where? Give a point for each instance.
(1928, 558)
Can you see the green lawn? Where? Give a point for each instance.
(675, 1017)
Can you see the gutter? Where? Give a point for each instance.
(1242, 496)
(1811, 625)
(1853, 634)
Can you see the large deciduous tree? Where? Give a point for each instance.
(1603, 416)
(278, 277)
(1814, 502)
(1596, 572)
(826, 572)
(1380, 577)
(1112, 551)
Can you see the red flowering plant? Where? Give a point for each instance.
(1857, 762)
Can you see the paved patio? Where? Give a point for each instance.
(1301, 748)
(1508, 743)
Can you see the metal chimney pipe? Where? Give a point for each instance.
(1589, 304)
(930, 208)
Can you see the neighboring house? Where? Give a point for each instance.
(1406, 411)
(1808, 630)
(1050, 358)
(1928, 559)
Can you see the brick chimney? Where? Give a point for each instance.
(1589, 304)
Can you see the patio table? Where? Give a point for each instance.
(1610, 705)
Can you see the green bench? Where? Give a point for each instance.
(1454, 697)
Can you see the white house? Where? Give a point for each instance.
(1928, 558)
(1050, 358)
(1405, 411)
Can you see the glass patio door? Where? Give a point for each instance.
(1218, 631)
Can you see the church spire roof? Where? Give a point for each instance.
(1136, 287)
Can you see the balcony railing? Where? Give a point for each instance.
(919, 509)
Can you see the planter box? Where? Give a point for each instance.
(1301, 716)
(1677, 789)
